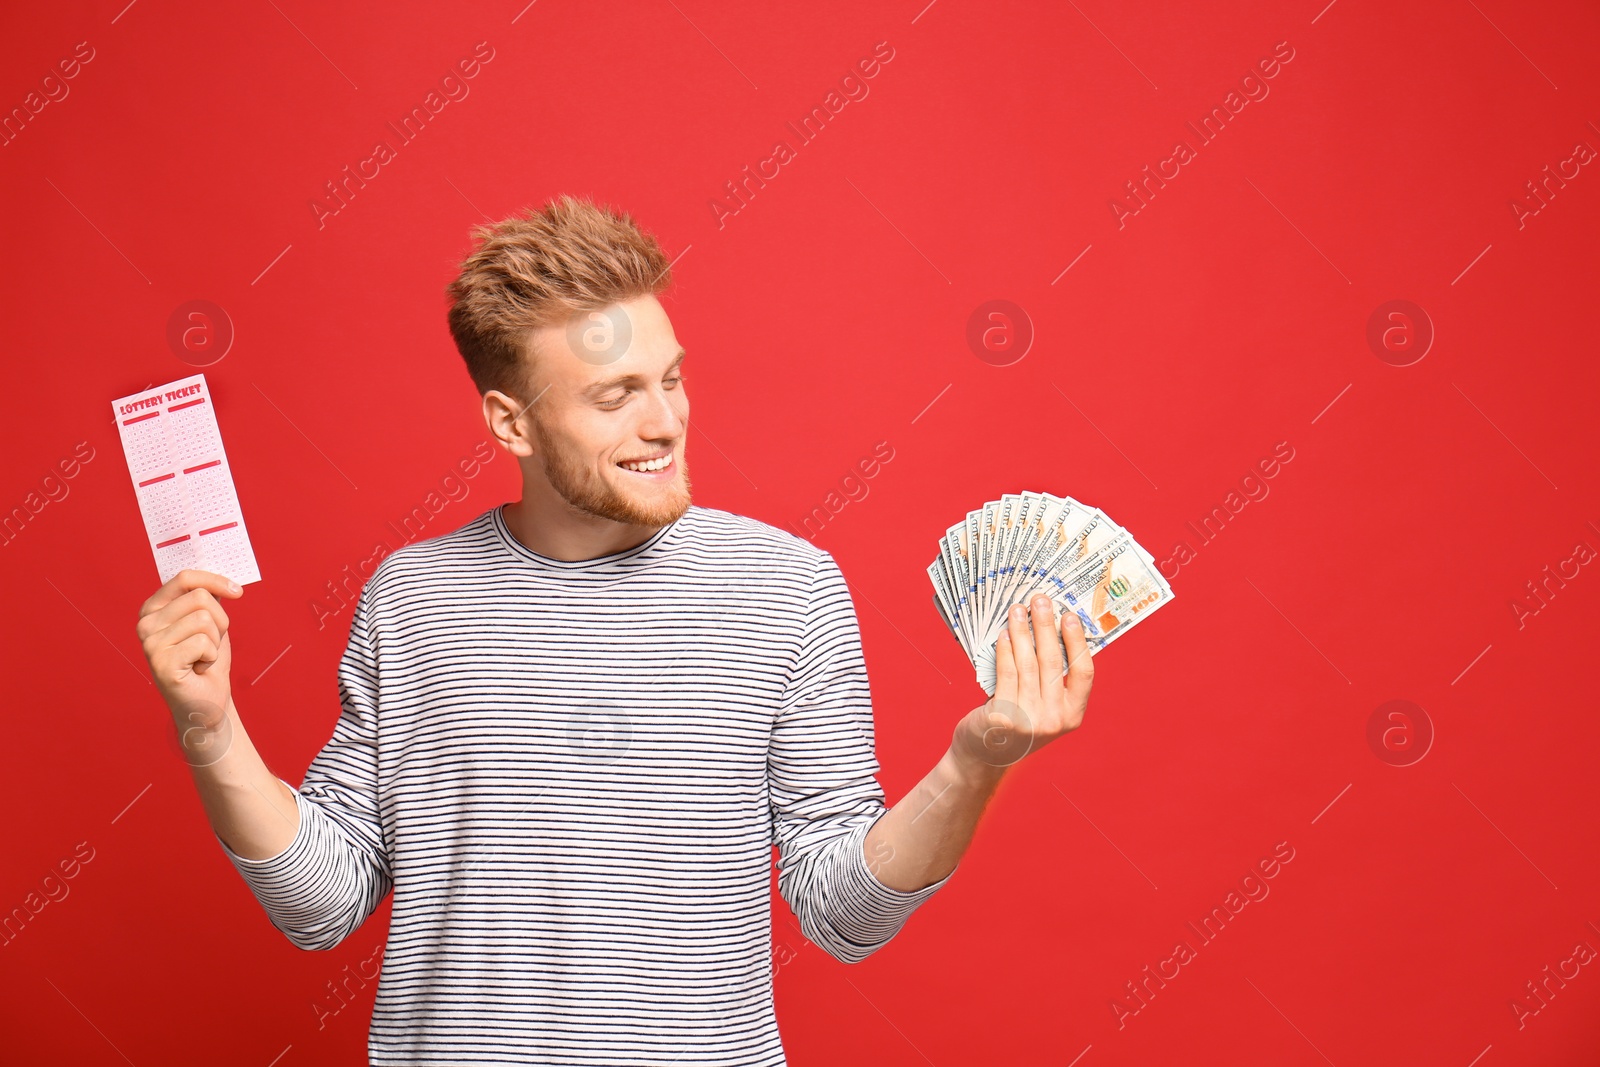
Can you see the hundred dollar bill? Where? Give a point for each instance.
(1077, 535)
(953, 555)
(1110, 591)
(1040, 517)
(945, 603)
(1009, 517)
(1003, 552)
(1113, 591)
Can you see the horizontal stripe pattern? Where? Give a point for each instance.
(571, 775)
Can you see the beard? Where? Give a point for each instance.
(580, 487)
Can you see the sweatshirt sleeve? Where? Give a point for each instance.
(334, 873)
(821, 769)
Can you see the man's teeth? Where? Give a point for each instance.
(652, 465)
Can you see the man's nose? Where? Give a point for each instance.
(664, 420)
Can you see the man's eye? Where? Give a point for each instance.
(612, 405)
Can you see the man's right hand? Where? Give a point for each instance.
(185, 636)
(184, 632)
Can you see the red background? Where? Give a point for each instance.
(827, 315)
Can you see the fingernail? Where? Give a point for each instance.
(233, 586)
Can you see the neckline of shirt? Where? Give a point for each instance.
(522, 551)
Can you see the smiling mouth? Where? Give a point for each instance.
(663, 465)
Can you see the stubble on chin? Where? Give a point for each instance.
(594, 494)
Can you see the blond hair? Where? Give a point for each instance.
(539, 269)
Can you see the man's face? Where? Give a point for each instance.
(608, 389)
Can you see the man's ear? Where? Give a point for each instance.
(507, 420)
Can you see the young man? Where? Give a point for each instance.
(573, 729)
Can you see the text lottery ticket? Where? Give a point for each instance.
(182, 479)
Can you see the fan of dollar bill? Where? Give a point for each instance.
(1026, 543)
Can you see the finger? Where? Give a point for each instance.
(1022, 649)
(1005, 668)
(174, 660)
(173, 650)
(201, 599)
(186, 580)
(186, 627)
(1044, 639)
(1080, 664)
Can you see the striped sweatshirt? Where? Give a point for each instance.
(571, 774)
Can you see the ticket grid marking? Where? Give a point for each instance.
(182, 481)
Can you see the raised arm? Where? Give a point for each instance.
(184, 631)
(925, 835)
(315, 857)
